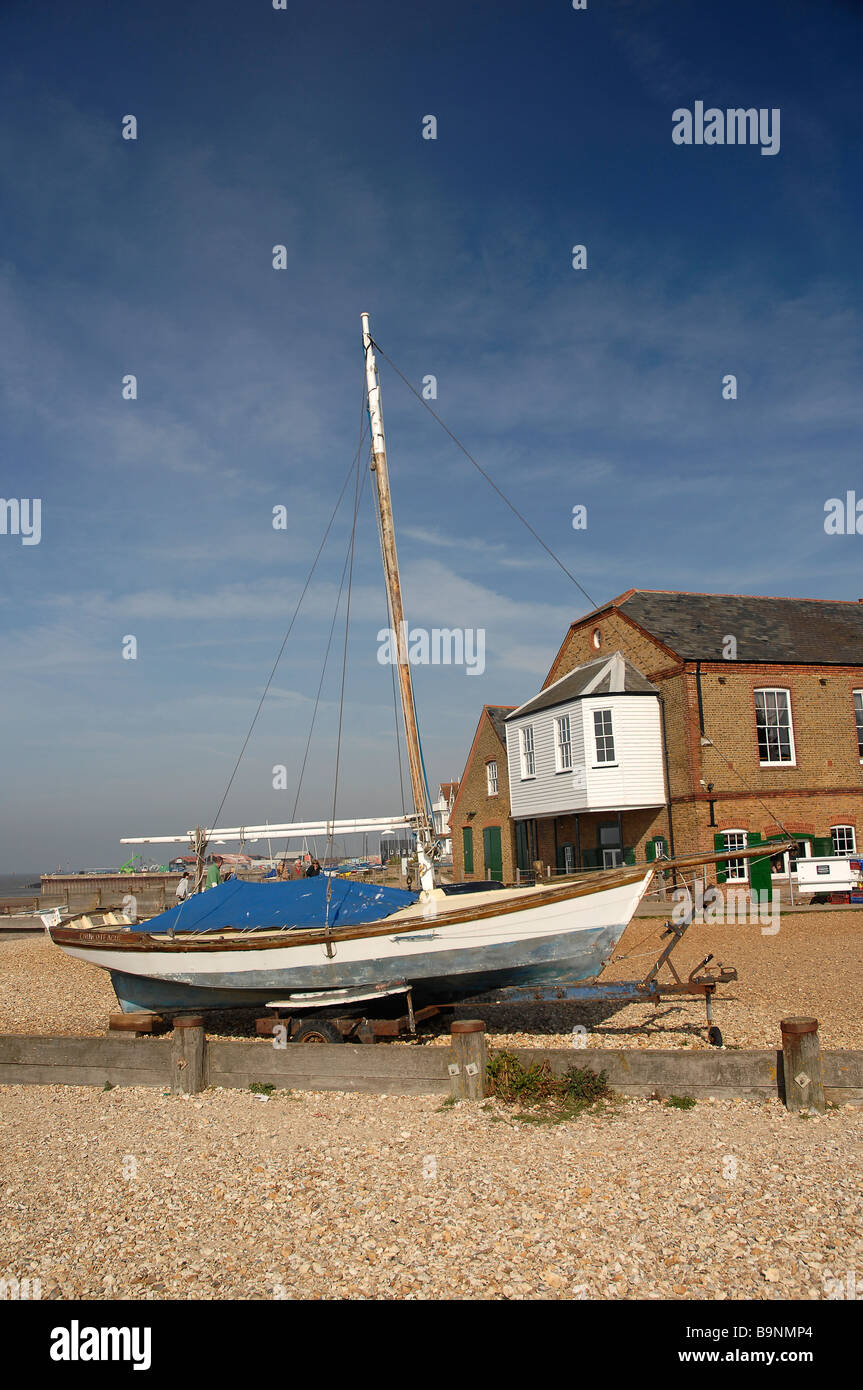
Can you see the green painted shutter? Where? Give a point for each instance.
(719, 844)
(821, 845)
(655, 847)
(628, 855)
(492, 851)
(467, 843)
(521, 847)
(760, 880)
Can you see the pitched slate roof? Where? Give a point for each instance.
(497, 714)
(607, 675)
(793, 630)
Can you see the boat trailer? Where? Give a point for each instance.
(325, 1024)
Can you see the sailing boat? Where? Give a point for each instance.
(260, 944)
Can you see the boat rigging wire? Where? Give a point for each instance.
(545, 547)
(392, 663)
(397, 639)
(751, 790)
(398, 736)
(320, 685)
(351, 549)
(353, 465)
(478, 466)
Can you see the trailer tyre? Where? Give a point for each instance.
(318, 1030)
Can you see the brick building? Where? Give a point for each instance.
(760, 720)
(483, 834)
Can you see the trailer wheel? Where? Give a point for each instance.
(317, 1030)
(714, 1037)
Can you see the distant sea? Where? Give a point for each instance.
(18, 885)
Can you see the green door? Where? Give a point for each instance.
(492, 851)
(467, 842)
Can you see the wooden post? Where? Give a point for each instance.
(801, 1064)
(468, 1059)
(188, 1056)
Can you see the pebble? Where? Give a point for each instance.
(328, 1195)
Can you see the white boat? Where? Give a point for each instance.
(244, 944)
(445, 947)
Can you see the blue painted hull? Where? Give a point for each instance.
(440, 978)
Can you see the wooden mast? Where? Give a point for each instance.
(424, 827)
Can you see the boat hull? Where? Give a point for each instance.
(566, 938)
(450, 976)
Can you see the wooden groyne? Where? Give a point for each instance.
(189, 1061)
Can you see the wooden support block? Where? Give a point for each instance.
(802, 1065)
(468, 1058)
(188, 1055)
(139, 1022)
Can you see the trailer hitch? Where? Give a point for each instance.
(702, 979)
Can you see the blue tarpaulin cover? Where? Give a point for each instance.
(295, 904)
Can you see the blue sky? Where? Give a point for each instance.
(602, 387)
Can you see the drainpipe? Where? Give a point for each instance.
(667, 781)
(700, 700)
(702, 740)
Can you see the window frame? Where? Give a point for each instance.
(492, 777)
(775, 762)
(527, 752)
(843, 853)
(729, 877)
(857, 696)
(787, 867)
(606, 738)
(560, 744)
